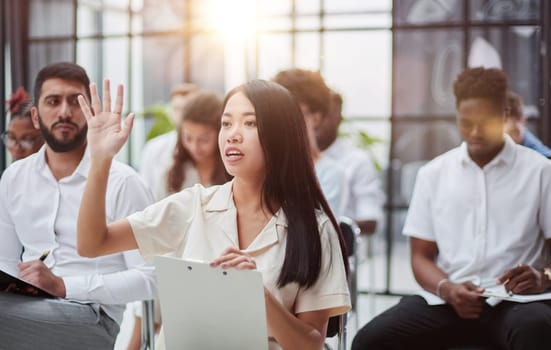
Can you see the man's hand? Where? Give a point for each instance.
(524, 279)
(465, 298)
(39, 275)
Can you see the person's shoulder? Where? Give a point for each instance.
(442, 161)
(25, 166)
(530, 158)
(161, 141)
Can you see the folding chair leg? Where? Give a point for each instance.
(148, 325)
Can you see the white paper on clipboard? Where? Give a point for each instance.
(210, 308)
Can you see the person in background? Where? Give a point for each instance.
(157, 153)
(312, 95)
(478, 218)
(515, 126)
(39, 202)
(366, 200)
(272, 216)
(21, 138)
(196, 160)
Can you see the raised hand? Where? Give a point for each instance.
(106, 134)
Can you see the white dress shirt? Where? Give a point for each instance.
(333, 183)
(39, 213)
(484, 220)
(156, 159)
(200, 223)
(366, 198)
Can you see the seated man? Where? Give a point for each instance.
(366, 197)
(309, 89)
(39, 203)
(515, 126)
(479, 216)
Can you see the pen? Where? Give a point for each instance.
(504, 283)
(44, 255)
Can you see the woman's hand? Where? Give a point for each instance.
(233, 257)
(106, 135)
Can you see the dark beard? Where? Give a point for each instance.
(62, 146)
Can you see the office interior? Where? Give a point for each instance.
(393, 61)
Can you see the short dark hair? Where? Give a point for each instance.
(515, 106)
(290, 178)
(61, 70)
(308, 87)
(486, 83)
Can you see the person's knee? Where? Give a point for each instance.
(532, 327)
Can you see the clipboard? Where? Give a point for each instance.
(210, 308)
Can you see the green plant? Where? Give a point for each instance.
(161, 120)
(366, 142)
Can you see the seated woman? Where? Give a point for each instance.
(196, 159)
(21, 137)
(272, 216)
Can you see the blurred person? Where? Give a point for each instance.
(196, 160)
(366, 200)
(39, 200)
(21, 138)
(479, 218)
(312, 95)
(515, 126)
(157, 152)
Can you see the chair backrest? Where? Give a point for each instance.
(350, 233)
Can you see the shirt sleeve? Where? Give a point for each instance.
(330, 292)
(161, 228)
(10, 248)
(418, 220)
(137, 281)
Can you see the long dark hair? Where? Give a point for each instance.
(290, 179)
(204, 108)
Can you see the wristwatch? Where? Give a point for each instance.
(547, 273)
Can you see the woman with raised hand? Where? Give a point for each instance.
(271, 217)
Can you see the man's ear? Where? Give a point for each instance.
(34, 117)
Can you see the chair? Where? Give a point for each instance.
(337, 327)
(351, 233)
(148, 325)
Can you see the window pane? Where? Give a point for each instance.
(428, 11)
(308, 22)
(308, 51)
(207, 62)
(357, 5)
(273, 8)
(375, 129)
(517, 51)
(43, 15)
(93, 21)
(416, 143)
(163, 15)
(307, 6)
(491, 10)
(377, 20)
(42, 54)
(426, 64)
(358, 65)
(274, 54)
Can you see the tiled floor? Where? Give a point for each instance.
(371, 276)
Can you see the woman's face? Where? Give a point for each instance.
(199, 140)
(22, 139)
(238, 139)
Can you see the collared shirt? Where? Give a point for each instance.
(366, 198)
(39, 213)
(333, 183)
(200, 223)
(484, 220)
(531, 141)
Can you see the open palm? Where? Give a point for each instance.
(106, 134)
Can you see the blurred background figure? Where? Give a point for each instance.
(365, 204)
(195, 160)
(21, 138)
(157, 153)
(515, 126)
(312, 94)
